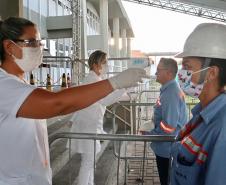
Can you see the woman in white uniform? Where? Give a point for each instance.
(24, 154)
(94, 122)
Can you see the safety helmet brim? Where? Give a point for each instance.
(207, 40)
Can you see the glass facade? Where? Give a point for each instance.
(93, 23)
(38, 10)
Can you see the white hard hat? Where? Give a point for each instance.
(207, 40)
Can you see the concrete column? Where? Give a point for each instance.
(124, 48)
(129, 53)
(84, 30)
(116, 36)
(124, 43)
(104, 24)
(84, 54)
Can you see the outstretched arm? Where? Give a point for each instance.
(42, 104)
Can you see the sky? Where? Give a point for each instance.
(158, 30)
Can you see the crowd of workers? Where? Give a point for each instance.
(198, 155)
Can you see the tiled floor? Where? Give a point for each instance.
(134, 175)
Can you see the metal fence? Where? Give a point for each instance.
(121, 142)
(50, 72)
(113, 137)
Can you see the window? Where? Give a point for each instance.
(52, 9)
(44, 6)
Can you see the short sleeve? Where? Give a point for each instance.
(13, 93)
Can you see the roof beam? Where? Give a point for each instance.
(184, 8)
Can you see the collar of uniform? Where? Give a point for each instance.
(210, 110)
(92, 73)
(94, 76)
(196, 110)
(167, 85)
(13, 76)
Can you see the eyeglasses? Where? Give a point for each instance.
(30, 43)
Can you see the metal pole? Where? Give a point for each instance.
(125, 177)
(119, 152)
(70, 162)
(94, 161)
(144, 155)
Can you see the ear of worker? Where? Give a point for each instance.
(128, 78)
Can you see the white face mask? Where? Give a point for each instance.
(189, 88)
(31, 58)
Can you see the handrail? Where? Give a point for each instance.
(66, 57)
(58, 57)
(119, 118)
(114, 127)
(114, 137)
(123, 106)
(140, 93)
(127, 104)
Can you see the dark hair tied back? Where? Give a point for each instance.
(12, 28)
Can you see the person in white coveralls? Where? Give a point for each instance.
(90, 119)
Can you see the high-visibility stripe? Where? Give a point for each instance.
(190, 145)
(167, 128)
(202, 157)
(194, 141)
(195, 148)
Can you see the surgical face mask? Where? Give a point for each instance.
(31, 58)
(189, 88)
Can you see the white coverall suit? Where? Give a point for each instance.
(90, 120)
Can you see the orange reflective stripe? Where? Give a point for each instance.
(167, 128)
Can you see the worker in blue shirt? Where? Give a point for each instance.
(199, 155)
(170, 114)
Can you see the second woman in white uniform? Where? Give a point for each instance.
(90, 119)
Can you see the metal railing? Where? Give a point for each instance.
(113, 137)
(135, 123)
(119, 152)
(55, 66)
(134, 130)
(190, 102)
(131, 104)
